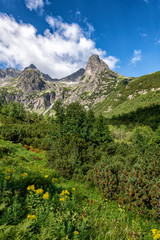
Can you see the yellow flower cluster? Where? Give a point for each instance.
(46, 176)
(54, 180)
(8, 170)
(64, 192)
(156, 234)
(62, 199)
(46, 195)
(24, 174)
(76, 232)
(7, 177)
(39, 191)
(29, 216)
(73, 189)
(64, 195)
(31, 188)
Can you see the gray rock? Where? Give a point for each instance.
(95, 66)
(74, 77)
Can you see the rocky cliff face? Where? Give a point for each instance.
(31, 80)
(38, 91)
(74, 77)
(31, 88)
(7, 75)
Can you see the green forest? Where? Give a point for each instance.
(77, 175)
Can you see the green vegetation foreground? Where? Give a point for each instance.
(38, 203)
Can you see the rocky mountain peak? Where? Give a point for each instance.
(31, 80)
(95, 65)
(31, 66)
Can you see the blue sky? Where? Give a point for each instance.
(59, 36)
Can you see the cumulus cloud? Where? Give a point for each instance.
(111, 61)
(61, 50)
(137, 56)
(36, 4)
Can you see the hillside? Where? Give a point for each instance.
(36, 202)
(130, 94)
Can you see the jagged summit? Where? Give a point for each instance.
(30, 81)
(32, 66)
(95, 65)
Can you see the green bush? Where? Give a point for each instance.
(133, 181)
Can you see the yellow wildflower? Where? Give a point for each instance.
(73, 189)
(76, 232)
(20, 163)
(64, 192)
(62, 199)
(7, 177)
(31, 188)
(63, 195)
(24, 174)
(46, 195)
(156, 234)
(154, 231)
(29, 216)
(39, 191)
(46, 176)
(54, 180)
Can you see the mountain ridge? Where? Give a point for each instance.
(96, 87)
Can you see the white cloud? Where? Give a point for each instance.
(34, 4)
(146, 1)
(143, 34)
(111, 61)
(137, 56)
(58, 52)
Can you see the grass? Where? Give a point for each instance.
(119, 102)
(82, 212)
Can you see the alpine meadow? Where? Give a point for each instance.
(79, 128)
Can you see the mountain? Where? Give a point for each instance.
(96, 83)
(96, 87)
(74, 77)
(7, 75)
(32, 88)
